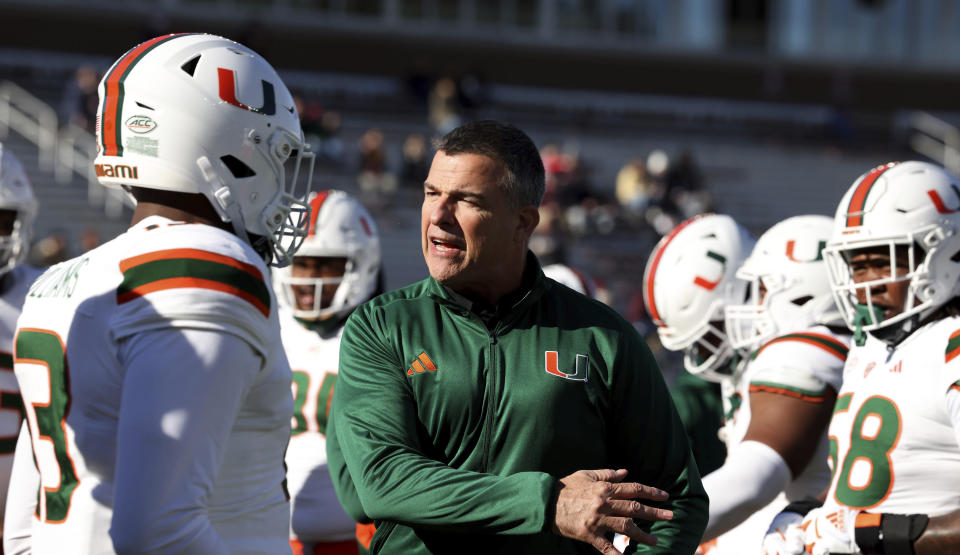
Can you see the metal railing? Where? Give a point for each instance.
(32, 118)
(935, 139)
(67, 152)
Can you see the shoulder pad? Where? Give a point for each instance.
(193, 276)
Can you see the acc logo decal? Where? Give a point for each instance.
(551, 365)
(140, 124)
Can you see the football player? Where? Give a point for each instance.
(335, 270)
(18, 207)
(894, 260)
(689, 278)
(156, 390)
(780, 400)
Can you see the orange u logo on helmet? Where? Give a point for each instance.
(704, 282)
(938, 202)
(791, 246)
(228, 93)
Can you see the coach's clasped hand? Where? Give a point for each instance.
(590, 503)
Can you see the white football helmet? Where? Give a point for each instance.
(339, 227)
(572, 278)
(689, 278)
(16, 194)
(787, 262)
(197, 113)
(914, 205)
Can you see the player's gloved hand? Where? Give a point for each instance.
(784, 537)
(830, 530)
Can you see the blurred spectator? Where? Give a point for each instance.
(79, 103)
(472, 90)
(556, 165)
(329, 145)
(443, 106)
(375, 180)
(547, 239)
(632, 186)
(50, 250)
(686, 187)
(89, 239)
(415, 162)
(684, 173)
(322, 130)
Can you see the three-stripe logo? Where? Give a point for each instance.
(421, 364)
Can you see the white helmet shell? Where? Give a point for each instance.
(340, 227)
(572, 278)
(196, 113)
(16, 194)
(787, 262)
(913, 205)
(689, 278)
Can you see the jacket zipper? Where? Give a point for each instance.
(491, 399)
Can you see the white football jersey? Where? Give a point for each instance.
(78, 315)
(316, 514)
(11, 301)
(805, 364)
(892, 442)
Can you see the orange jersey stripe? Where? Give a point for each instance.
(188, 282)
(832, 346)
(787, 392)
(195, 254)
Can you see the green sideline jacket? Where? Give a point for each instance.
(455, 434)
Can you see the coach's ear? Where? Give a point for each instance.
(528, 217)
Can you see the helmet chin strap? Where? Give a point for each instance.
(865, 315)
(891, 335)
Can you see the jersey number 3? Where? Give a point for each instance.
(43, 352)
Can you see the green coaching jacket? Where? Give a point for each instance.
(455, 424)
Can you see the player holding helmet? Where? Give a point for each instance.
(17, 210)
(336, 269)
(154, 382)
(783, 394)
(894, 259)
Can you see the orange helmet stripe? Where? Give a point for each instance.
(110, 142)
(859, 198)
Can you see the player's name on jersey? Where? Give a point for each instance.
(58, 281)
